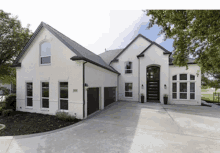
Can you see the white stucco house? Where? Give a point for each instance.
(56, 73)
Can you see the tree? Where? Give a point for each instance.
(13, 38)
(195, 32)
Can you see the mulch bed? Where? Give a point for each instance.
(22, 123)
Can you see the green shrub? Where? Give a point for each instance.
(7, 112)
(11, 101)
(1, 109)
(65, 116)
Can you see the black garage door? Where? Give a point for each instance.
(92, 100)
(109, 95)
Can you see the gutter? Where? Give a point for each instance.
(139, 80)
(84, 89)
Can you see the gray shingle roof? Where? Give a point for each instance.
(190, 61)
(109, 55)
(79, 50)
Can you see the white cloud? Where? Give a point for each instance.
(159, 40)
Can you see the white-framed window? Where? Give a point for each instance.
(29, 94)
(128, 67)
(128, 90)
(63, 96)
(183, 86)
(45, 53)
(45, 94)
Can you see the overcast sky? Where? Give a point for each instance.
(95, 25)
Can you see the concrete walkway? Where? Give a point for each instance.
(130, 127)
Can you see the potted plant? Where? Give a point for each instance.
(142, 98)
(165, 98)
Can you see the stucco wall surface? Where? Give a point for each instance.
(61, 69)
(193, 69)
(96, 76)
(130, 54)
(154, 57)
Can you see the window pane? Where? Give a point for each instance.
(174, 77)
(29, 102)
(64, 104)
(183, 95)
(192, 77)
(45, 60)
(29, 89)
(64, 84)
(183, 76)
(128, 86)
(128, 71)
(45, 49)
(174, 87)
(63, 93)
(192, 87)
(45, 84)
(45, 103)
(174, 95)
(128, 65)
(128, 94)
(192, 95)
(45, 89)
(183, 87)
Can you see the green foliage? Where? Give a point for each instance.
(7, 112)
(195, 32)
(13, 38)
(11, 102)
(5, 90)
(1, 109)
(65, 116)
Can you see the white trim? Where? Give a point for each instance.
(128, 91)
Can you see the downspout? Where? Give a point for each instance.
(118, 88)
(84, 89)
(138, 79)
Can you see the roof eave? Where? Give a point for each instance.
(75, 58)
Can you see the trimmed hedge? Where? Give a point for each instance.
(7, 112)
(65, 116)
(10, 102)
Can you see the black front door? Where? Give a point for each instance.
(153, 83)
(92, 100)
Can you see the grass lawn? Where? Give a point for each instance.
(209, 98)
(21, 123)
(204, 90)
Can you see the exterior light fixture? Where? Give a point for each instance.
(165, 86)
(86, 86)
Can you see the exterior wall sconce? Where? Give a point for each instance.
(142, 86)
(165, 86)
(86, 86)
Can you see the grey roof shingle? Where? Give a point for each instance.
(109, 55)
(79, 50)
(190, 61)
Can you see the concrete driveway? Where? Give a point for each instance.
(130, 127)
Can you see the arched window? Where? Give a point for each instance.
(128, 67)
(45, 53)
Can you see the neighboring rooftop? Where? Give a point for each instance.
(109, 55)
